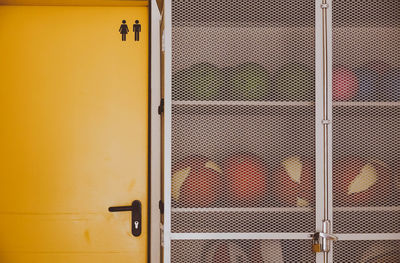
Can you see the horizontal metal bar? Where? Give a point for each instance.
(284, 209)
(366, 104)
(368, 209)
(245, 209)
(374, 236)
(208, 236)
(243, 103)
(288, 103)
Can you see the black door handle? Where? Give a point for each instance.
(136, 210)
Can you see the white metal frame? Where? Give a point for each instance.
(372, 236)
(352, 236)
(167, 46)
(245, 236)
(319, 128)
(168, 236)
(330, 118)
(155, 176)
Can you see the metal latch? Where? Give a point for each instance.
(328, 236)
(321, 240)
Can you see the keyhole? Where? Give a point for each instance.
(136, 224)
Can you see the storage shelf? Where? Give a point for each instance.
(366, 103)
(244, 209)
(368, 209)
(285, 209)
(242, 103)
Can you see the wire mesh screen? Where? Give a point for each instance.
(243, 50)
(366, 113)
(367, 251)
(243, 185)
(243, 116)
(242, 251)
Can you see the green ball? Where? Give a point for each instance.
(295, 83)
(250, 81)
(203, 81)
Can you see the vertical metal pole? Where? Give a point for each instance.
(326, 122)
(325, 91)
(320, 214)
(167, 127)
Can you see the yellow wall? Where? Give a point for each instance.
(73, 137)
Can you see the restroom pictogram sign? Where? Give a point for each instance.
(124, 30)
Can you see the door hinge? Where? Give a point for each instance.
(321, 240)
(324, 6)
(161, 107)
(326, 122)
(162, 234)
(161, 206)
(163, 41)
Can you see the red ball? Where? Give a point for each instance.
(360, 182)
(246, 178)
(294, 182)
(196, 182)
(344, 84)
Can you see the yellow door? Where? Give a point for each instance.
(74, 133)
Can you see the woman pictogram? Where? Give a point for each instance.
(124, 30)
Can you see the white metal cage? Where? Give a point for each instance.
(279, 116)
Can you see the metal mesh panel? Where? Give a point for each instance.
(241, 251)
(243, 116)
(219, 132)
(229, 47)
(367, 251)
(366, 113)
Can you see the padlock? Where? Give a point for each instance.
(316, 246)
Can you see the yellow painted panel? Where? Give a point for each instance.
(106, 257)
(76, 2)
(86, 233)
(73, 110)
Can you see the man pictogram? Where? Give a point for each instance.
(123, 30)
(137, 28)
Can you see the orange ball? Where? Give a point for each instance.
(246, 179)
(196, 182)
